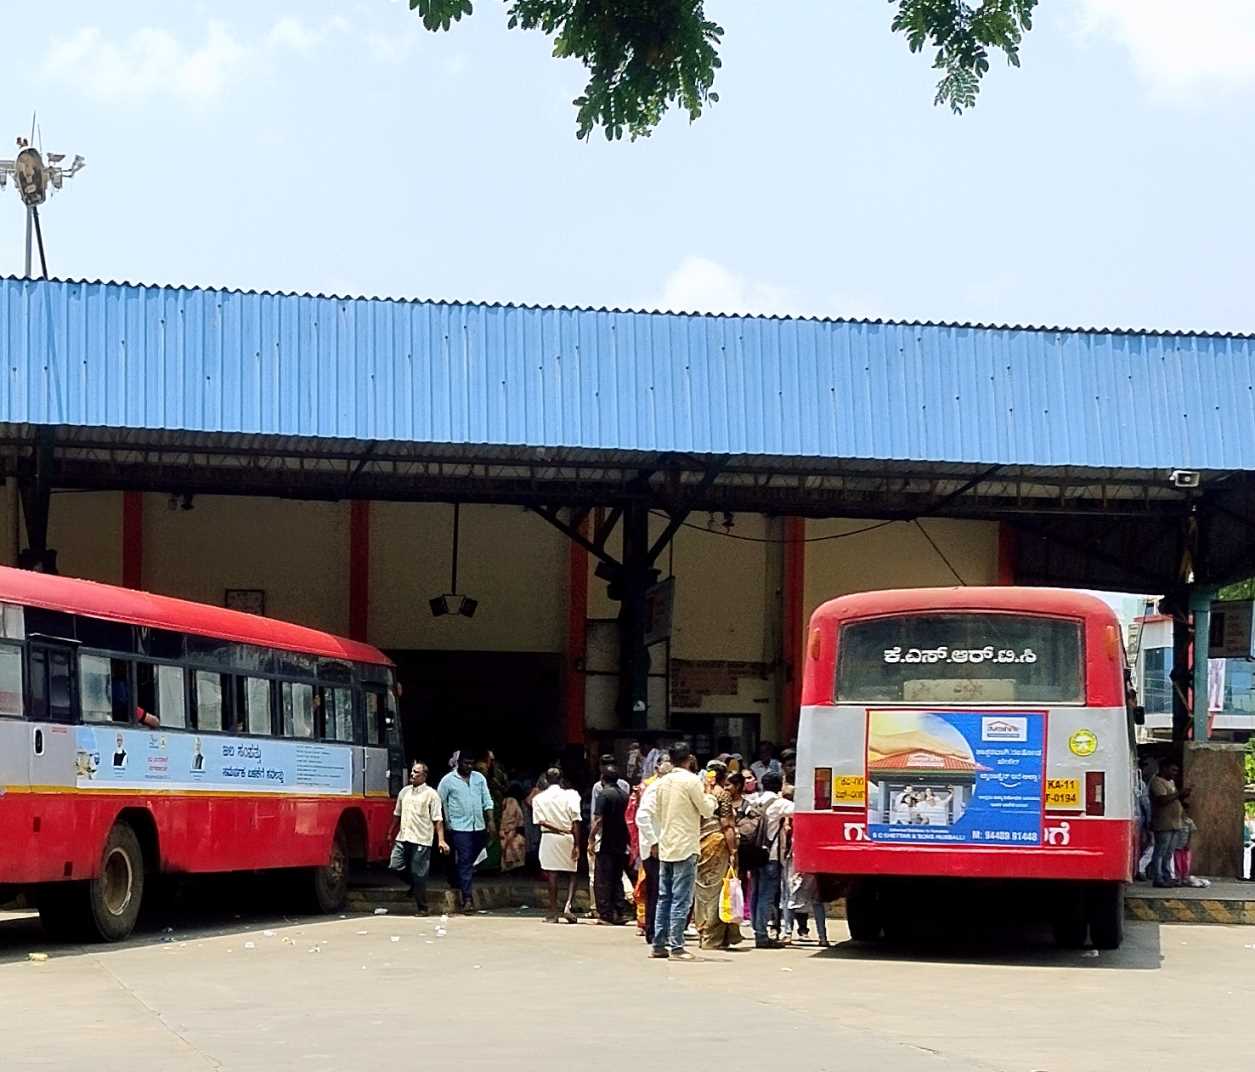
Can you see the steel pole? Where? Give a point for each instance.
(28, 242)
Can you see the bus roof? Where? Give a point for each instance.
(116, 604)
(1065, 602)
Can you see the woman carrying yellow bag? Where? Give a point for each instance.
(718, 850)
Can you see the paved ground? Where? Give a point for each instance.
(508, 992)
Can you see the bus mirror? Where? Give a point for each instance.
(1139, 715)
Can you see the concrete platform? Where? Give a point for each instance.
(1225, 901)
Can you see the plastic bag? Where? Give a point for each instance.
(731, 900)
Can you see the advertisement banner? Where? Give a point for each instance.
(107, 757)
(955, 777)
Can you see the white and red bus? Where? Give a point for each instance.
(141, 734)
(968, 734)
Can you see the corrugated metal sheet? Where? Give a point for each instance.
(118, 355)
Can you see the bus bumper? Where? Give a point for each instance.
(1076, 847)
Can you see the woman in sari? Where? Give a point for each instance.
(718, 846)
(511, 830)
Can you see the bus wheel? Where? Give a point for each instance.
(1070, 923)
(115, 895)
(1104, 905)
(862, 912)
(331, 883)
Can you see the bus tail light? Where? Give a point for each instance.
(1095, 792)
(823, 788)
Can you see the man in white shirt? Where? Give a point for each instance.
(556, 811)
(646, 818)
(681, 801)
(417, 821)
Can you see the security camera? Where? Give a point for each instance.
(1185, 478)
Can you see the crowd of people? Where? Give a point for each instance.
(677, 850)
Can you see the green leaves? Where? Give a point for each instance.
(440, 14)
(963, 34)
(644, 57)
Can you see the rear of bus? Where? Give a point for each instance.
(968, 733)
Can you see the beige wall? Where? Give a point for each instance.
(512, 561)
(295, 551)
(85, 529)
(896, 556)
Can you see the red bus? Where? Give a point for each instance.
(141, 734)
(966, 734)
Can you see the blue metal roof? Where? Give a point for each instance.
(93, 354)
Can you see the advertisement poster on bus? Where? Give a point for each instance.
(107, 757)
(955, 777)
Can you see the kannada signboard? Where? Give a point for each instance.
(958, 777)
(111, 758)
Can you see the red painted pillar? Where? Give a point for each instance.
(1006, 553)
(792, 633)
(359, 569)
(132, 539)
(576, 639)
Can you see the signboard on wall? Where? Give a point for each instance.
(1231, 630)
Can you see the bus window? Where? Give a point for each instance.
(344, 715)
(961, 656)
(10, 681)
(13, 622)
(373, 703)
(95, 676)
(209, 697)
(298, 709)
(52, 690)
(172, 696)
(145, 691)
(252, 708)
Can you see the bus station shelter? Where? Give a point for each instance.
(1107, 459)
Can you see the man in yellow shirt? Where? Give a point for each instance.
(681, 800)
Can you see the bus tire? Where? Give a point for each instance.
(1070, 922)
(862, 912)
(330, 883)
(1104, 905)
(116, 894)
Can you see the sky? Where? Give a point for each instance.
(337, 147)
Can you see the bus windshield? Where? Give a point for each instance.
(960, 657)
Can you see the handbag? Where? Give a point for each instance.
(731, 899)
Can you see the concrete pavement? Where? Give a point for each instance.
(509, 992)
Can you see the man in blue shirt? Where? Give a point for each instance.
(467, 807)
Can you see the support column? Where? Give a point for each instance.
(1200, 604)
(35, 490)
(359, 569)
(1180, 676)
(1006, 553)
(574, 683)
(793, 626)
(132, 539)
(634, 580)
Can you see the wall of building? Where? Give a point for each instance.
(512, 561)
(85, 527)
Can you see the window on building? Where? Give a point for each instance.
(1239, 688)
(209, 697)
(172, 697)
(1157, 680)
(10, 681)
(298, 709)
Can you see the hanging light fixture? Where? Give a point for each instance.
(453, 601)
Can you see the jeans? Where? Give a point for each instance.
(766, 897)
(650, 864)
(608, 886)
(1161, 862)
(465, 846)
(676, 879)
(412, 862)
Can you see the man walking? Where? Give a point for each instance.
(556, 812)
(416, 822)
(1167, 821)
(467, 808)
(682, 800)
(610, 835)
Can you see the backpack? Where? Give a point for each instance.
(753, 847)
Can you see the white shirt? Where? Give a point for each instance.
(680, 805)
(645, 816)
(419, 811)
(775, 808)
(556, 809)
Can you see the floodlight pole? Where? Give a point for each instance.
(27, 273)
